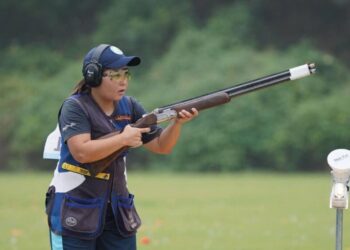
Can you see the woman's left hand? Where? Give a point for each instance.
(185, 116)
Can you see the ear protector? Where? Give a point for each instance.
(93, 70)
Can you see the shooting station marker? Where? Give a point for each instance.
(339, 161)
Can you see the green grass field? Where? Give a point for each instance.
(244, 211)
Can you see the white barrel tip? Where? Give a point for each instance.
(300, 72)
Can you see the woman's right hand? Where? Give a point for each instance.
(132, 136)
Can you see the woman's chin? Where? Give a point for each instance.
(117, 97)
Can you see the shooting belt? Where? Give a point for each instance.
(84, 171)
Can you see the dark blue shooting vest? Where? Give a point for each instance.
(76, 201)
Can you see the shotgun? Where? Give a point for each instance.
(205, 101)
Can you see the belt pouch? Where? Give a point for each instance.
(125, 214)
(81, 216)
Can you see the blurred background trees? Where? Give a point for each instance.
(188, 48)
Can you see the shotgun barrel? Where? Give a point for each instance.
(249, 86)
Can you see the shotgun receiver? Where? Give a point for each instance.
(206, 101)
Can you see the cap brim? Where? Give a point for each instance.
(134, 61)
(125, 61)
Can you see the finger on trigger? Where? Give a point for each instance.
(145, 130)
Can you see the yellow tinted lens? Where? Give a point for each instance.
(116, 76)
(121, 76)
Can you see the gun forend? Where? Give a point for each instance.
(200, 103)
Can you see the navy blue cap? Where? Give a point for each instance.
(112, 58)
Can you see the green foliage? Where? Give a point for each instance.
(315, 128)
(31, 113)
(31, 60)
(142, 27)
(233, 24)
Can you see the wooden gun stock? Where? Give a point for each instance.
(100, 165)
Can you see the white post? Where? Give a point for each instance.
(339, 230)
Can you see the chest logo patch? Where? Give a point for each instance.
(123, 117)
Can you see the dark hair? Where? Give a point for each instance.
(81, 87)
